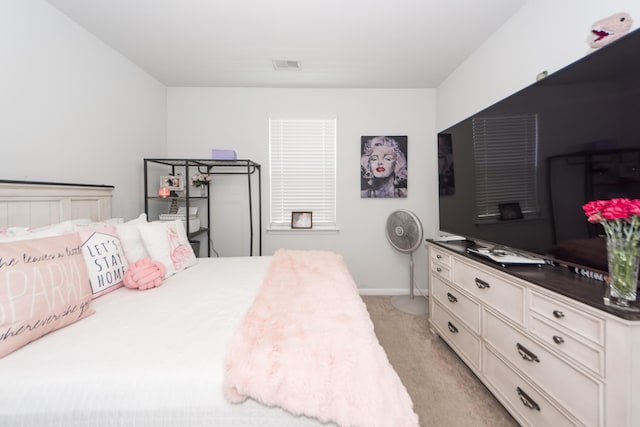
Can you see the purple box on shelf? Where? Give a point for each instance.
(217, 154)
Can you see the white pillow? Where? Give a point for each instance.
(131, 239)
(167, 242)
(13, 234)
(98, 224)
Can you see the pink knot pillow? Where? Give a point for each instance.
(144, 274)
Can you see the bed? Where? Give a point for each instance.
(204, 348)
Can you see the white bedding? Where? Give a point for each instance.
(145, 358)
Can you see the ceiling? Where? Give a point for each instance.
(338, 43)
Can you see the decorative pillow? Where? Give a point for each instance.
(167, 242)
(105, 259)
(97, 224)
(43, 287)
(13, 234)
(131, 239)
(144, 274)
(115, 221)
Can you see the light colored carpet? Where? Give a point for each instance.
(444, 391)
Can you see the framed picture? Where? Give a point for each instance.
(446, 177)
(383, 166)
(301, 219)
(510, 211)
(173, 183)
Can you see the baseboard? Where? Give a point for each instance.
(391, 292)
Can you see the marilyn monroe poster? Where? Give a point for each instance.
(383, 166)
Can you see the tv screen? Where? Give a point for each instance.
(516, 174)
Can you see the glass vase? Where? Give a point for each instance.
(203, 190)
(623, 257)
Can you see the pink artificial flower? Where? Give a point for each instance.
(634, 207)
(594, 219)
(613, 209)
(594, 207)
(616, 209)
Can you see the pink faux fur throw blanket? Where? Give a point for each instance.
(307, 344)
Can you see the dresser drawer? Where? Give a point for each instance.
(457, 303)
(439, 256)
(453, 331)
(574, 390)
(530, 405)
(589, 356)
(563, 316)
(503, 296)
(440, 270)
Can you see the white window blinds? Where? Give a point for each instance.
(505, 153)
(302, 154)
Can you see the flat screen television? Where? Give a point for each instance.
(583, 123)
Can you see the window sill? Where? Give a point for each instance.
(494, 221)
(274, 229)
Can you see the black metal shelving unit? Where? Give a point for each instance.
(189, 167)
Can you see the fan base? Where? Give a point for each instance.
(416, 305)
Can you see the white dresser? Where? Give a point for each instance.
(540, 338)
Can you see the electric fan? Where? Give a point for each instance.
(404, 232)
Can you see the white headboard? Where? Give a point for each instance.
(36, 204)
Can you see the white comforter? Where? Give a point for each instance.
(146, 358)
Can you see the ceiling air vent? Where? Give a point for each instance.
(286, 64)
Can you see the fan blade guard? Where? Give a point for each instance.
(404, 230)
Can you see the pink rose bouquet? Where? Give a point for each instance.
(201, 179)
(620, 219)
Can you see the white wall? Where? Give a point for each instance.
(74, 110)
(200, 119)
(542, 35)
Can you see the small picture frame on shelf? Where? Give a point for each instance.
(301, 220)
(173, 183)
(510, 211)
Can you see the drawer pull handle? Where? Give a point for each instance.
(452, 328)
(526, 400)
(558, 314)
(451, 298)
(526, 354)
(482, 284)
(439, 270)
(557, 339)
(439, 256)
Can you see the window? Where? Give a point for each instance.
(505, 153)
(302, 153)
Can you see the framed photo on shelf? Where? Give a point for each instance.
(510, 211)
(301, 219)
(173, 183)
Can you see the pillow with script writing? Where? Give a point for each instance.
(43, 287)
